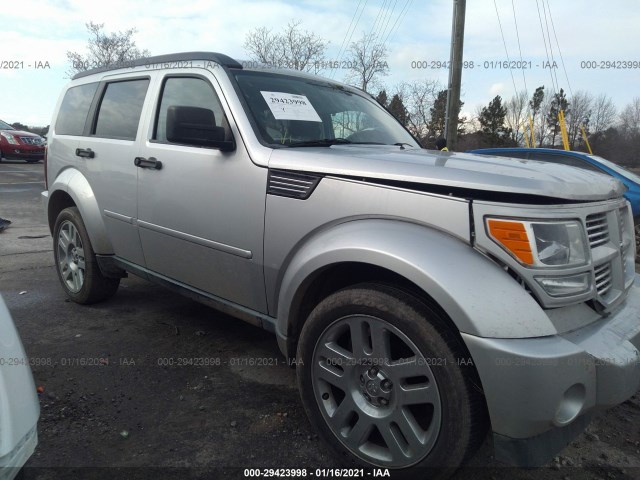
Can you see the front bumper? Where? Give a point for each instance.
(22, 152)
(540, 392)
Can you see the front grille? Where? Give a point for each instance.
(603, 279)
(31, 140)
(597, 229)
(623, 220)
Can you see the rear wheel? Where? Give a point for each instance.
(76, 263)
(387, 383)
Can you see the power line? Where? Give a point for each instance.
(515, 89)
(524, 78)
(346, 42)
(553, 84)
(559, 51)
(386, 25)
(381, 14)
(546, 22)
(398, 21)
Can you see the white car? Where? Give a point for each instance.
(19, 406)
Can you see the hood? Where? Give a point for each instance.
(20, 133)
(448, 169)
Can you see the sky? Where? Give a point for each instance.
(585, 39)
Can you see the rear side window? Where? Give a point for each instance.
(120, 109)
(74, 109)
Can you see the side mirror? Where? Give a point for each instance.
(196, 126)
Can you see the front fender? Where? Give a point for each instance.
(479, 297)
(78, 188)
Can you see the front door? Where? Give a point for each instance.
(201, 214)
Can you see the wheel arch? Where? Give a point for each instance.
(472, 292)
(70, 189)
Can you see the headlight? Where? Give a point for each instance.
(10, 138)
(540, 243)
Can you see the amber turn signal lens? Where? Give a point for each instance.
(513, 236)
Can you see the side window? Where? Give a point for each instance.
(120, 109)
(565, 160)
(74, 109)
(192, 100)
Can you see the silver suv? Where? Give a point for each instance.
(425, 296)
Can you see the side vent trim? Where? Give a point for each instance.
(292, 184)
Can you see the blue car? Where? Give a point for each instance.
(580, 160)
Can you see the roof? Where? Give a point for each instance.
(219, 58)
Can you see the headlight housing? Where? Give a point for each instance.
(540, 244)
(9, 138)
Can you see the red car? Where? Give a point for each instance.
(20, 145)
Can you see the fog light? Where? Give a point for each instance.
(570, 405)
(565, 286)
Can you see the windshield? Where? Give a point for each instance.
(5, 126)
(294, 111)
(617, 168)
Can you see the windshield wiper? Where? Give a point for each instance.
(321, 142)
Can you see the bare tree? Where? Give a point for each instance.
(105, 49)
(367, 61)
(293, 48)
(516, 118)
(630, 119)
(540, 122)
(578, 116)
(604, 114)
(419, 98)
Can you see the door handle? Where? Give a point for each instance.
(150, 162)
(85, 153)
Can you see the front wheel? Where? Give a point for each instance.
(76, 263)
(387, 383)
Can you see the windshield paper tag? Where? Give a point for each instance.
(287, 106)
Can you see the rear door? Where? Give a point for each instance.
(201, 210)
(108, 151)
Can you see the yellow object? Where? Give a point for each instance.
(513, 236)
(586, 140)
(563, 130)
(533, 139)
(444, 149)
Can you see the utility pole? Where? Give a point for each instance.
(455, 74)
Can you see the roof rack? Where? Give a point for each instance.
(219, 58)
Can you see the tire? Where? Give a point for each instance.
(375, 366)
(76, 263)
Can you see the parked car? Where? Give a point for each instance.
(422, 295)
(19, 406)
(584, 161)
(20, 145)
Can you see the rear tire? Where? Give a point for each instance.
(388, 384)
(76, 262)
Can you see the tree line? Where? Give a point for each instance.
(420, 105)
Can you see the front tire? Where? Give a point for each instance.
(387, 383)
(76, 262)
